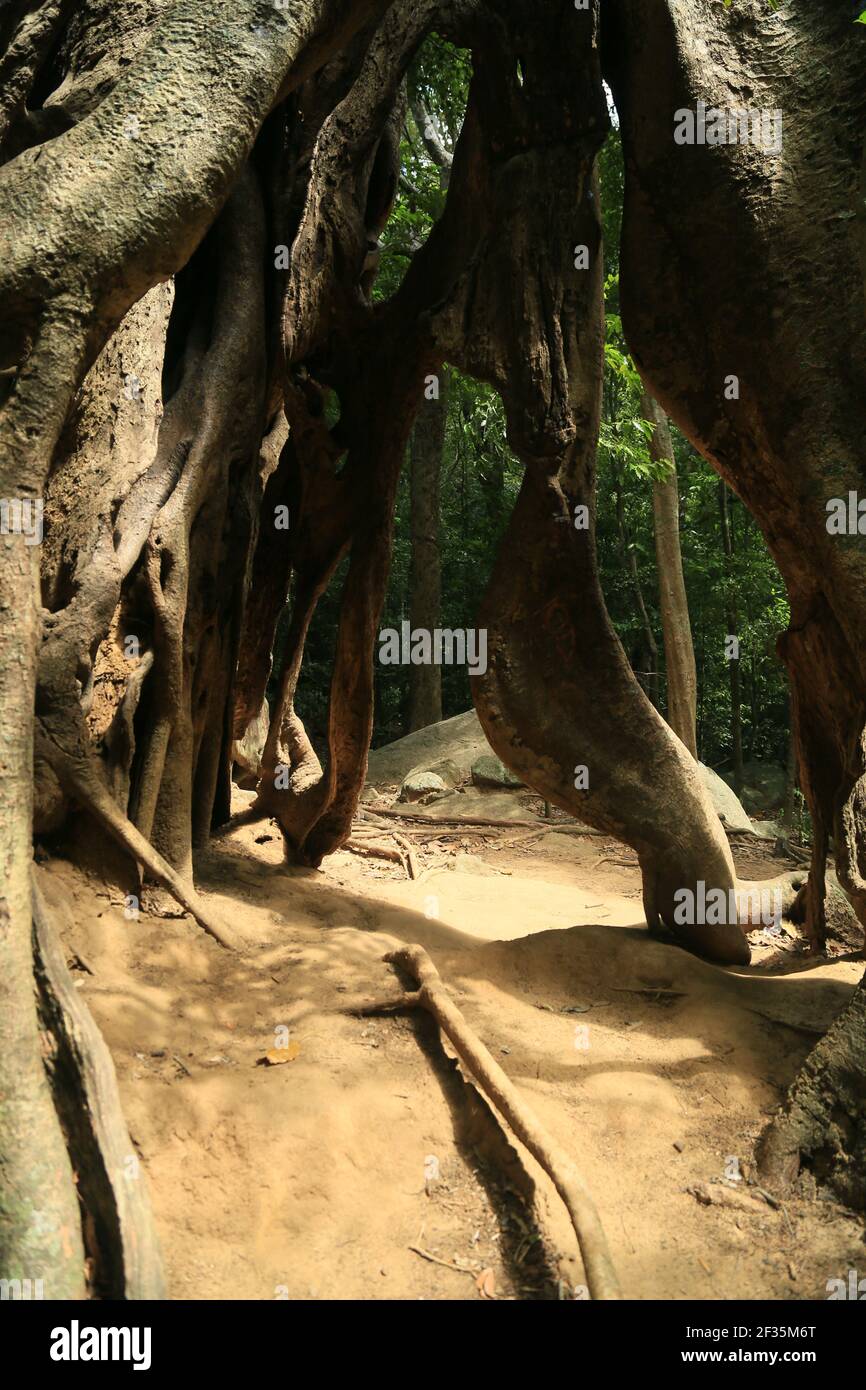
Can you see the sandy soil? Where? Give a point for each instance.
(366, 1167)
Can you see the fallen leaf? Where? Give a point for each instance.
(277, 1055)
(486, 1283)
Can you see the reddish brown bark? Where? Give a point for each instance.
(734, 258)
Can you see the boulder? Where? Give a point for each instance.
(769, 829)
(420, 784)
(459, 740)
(471, 802)
(446, 768)
(490, 771)
(725, 802)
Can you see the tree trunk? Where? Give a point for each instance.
(790, 779)
(696, 336)
(376, 363)
(650, 680)
(40, 1234)
(733, 623)
(428, 444)
(119, 1233)
(821, 1128)
(116, 83)
(676, 627)
(558, 699)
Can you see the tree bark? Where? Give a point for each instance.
(789, 803)
(558, 694)
(798, 278)
(733, 631)
(821, 1128)
(40, 1234)
(120, 1238)
(375, 363)
(650, 678)
(428, 444)
(676, 627)
(174, 115)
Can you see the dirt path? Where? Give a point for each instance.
(316, 1177)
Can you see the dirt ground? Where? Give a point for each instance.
(364, 1166)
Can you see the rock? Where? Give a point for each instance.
(459, 740)
(769, 829)
(490, 771)
(717, 1195)
(486, 804)
(418, 785)
(727, 807)
(247, 751)
(445, 768)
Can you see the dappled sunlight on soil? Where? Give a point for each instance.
(365, 1167)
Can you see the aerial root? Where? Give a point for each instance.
(496, 1086)
(83, 781)
(119, 1232)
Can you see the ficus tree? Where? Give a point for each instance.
(207, 402)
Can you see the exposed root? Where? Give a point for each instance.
(435, 821)
(373, 1008)
(119, 1231)
(404, 854)
(373, 850)
(82, 781)
(757, 897)
(560, 1168)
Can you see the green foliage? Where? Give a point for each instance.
(440, 76)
